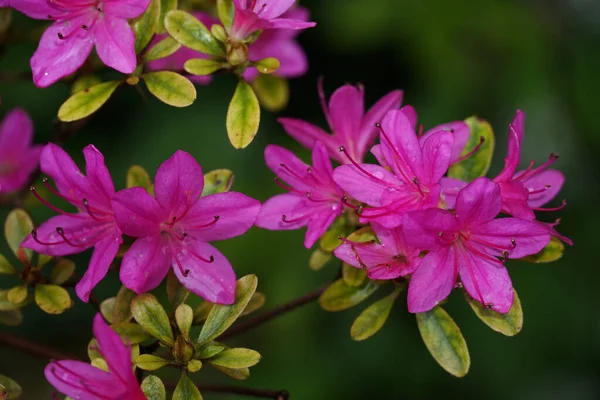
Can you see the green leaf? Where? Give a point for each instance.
(353, 276)
(372, 319)
(209, 350)
(217, 181)
(6, 305)
(190, 32)
(17, 294)
(100, 363)
(62, 271)
(165, 7)
(201, 312)
(318, 259)
(478, 164)
(222, 316)
(194, 365)
(363, 235)
(184, 316)
(552, 252)
(154, 388)
(44, 259)
(84, 82)
(508, 324)
(186, 390)
(226, 12)
(243, 116)
(256, 302)
(138, 176)
(107, 309)
(11, 318)
(52, 299)
(11, 388)
(134, 333)
(444, 341)
(339, 296)
(330, 239)
(235, 358)
(176, 293)
(240, 374)
(146, 25)
(92, 350)
(148, 312)
(162, 49)
(267, 65)
(202, 66)
(272, 91)
(170, 88)
(150, 362)
(5, 267)
(84, 103)
(122, 305)
(17, 227)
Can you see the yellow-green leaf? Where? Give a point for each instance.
(217, 181)
(148, 312)
(5, 267)
(165, 7)
(11, 318)
(134, 333)
(272, 91)
(201, 312)
(190, 32)
(194, 365)
(122, 305)
(255, 303)
(330, 239)
(222, 316)
(62, 271)
(52, 299)
(186, 390)
(339, 296)
(12, 390)
(372, 319)
(107, 308)
(552, 252)
(444, 341)
(17, 294)
(176, 293)
(150, 362)
(85, 102)
(202, 66)
(318, 259)
(267, 65)
(6, 305)
(209, 350)
(84, 82)
(235, 358)
(17, 227)
(162, 49)
(146, 25)
(170, 88)
(100, 363)
(138, 176)
(479, 163)
(239, 374)
(154, 388)
(226, 12)
(243, 116)
(353, 276)
(508, 324)
(184, 316)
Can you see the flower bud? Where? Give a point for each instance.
(182, 350)
(237, 53)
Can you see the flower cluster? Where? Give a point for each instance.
(435, 230)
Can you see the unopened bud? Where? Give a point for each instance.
(183, 350)
(237, 53)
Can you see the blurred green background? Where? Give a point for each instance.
(453, 59)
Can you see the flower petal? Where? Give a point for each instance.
(270, 9)
(16, 132)
(125, 9)
(346, 108)
(116, 354)
(78, 379)
(368, 131)
(400, 145)
(213, 281)
(137, 213)
(437, 151)
(145, 264)
(115, 43)
(288, 23)
(288, 167)
(515, 140)
(433, 280)
(34, 8)
(322, 170)
(366, 186)
(552, 178)
(422, 228)
(105, 252)
(98, 176)
(411, 114)
(290, 205)
(451, 187)
(530, 237)
(460, 133)
(480, 201)
(307, 134)
(318, 225)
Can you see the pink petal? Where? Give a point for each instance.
(145, 264)
(16, 132)
(178, 182)
(56, 58)
(433, 280)
(422, 228)
(115, 43)
(116, 354)
(98, 175)
(137, 213)
(288, 167)
(515, 139)
(368, 131)
(514, 200)
(437, 151)
(365, 187)
(460, 132)
(478, 202)
(450, 189)
(411, 114)
(307, 134)
(290, 205)
(125, 9)
(105, 252)
(322, 169)
(389, 238)
(318, 225)
(486, 281)
(34, 8)
(236, 211)
(539, 181)
(378, 153)
(288, 23)
(78, 379)
(56, 163)
(19, 169)
(346, 108)
(282, 45)
(270, 9)
(397, 128)
(214, 281)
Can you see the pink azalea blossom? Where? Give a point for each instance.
(80, 380)
(174, 228)
(388, 259)
(254, 15)
(314, 199)
(351, 126)
(79, 26)
(94, 223)
(471, 244)
(409, 179)
(18, 158)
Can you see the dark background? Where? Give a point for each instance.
(453, 59)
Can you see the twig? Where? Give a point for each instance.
(18, 343)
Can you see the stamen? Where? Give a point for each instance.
(56, 192)
(211, 223)
(416, 182)
(397, 153)
(342, 149)
(317, 200)
(355, 244)
(472, 152)
(50, 206)
(540, 190)
(505, 255)
(526, 171)
(184, 272)
(34, 235)
(285, 219)
(563, 205)
(323, 100)
(481, 254)
(347, 204)
(529, 172)
(291, 172)
(211, 259)
(420, 131)
(86, 205)
(188, 194)
(61, 233)
(282, 185)
(494, 245)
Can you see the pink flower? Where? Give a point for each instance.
(174, 228)
(388, 259)
(314, 199)
(467, 244)
(92, 226)
(409, 179)
(351, 126)
(281, 44)
(79, 26)
(18, 158)
(80, 380)
(254, 15)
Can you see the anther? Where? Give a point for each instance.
(416, 182)
(84, 27)
(470, 153)
(505, 255)
(34, 235)
(342, 149)
(61, 233)
(513, 241)
(489, 306)
(60, 36)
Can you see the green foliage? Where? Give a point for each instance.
(201, 312)
(62, 271)
(107, 308)
(235, 358)
(267, 65)
(6, 304)
(318, 259)
(150, 362)
(17, 227)
(243, 116)
(256, 302)
(52, 299)
(154, 388)
(184, 316)
(138, 176)
(9, 389)
(222, 316)
(272, 91)
(353, 276)
(151, 316)
(87, 101)
(226, 12)
(83, 82)
(133, 333)
(194, 365)
(479, 163)
(5, 267)
(17, 294)
(202, 66)
(171, 88)
(146, 25)
(508, 324)
(330, 239)
(444, 341)
(165, 7)
(209, 350)
(122, 307)
(176, 293)
(162, 49)
(339, 296)
(552, 252)
(217, 181)
(239, 373)
(372, 319)
(186, 390)
(190, 32)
